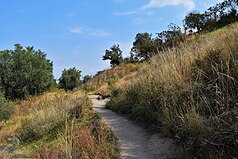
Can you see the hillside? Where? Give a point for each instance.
(189, 93)
(105, 81)
(56, 125)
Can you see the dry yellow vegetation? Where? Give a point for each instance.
(105, 81)
(56, 125)
(190, 94)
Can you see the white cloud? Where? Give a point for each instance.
(138, 21)
(125, 13)
(88, 31)
(77, 30)
(190, 4)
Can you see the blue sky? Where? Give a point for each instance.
(75, 33)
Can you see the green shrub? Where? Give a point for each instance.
(6, 108)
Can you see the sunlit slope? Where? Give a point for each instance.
(106, 81)
(191, 94)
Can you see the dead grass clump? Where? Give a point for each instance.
(92, 139)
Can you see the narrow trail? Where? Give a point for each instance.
(135, 142)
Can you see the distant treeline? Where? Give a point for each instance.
(214, 17)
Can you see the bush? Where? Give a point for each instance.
(70, 79)
(6, 108)
(25, 72)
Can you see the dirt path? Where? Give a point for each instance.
(135, 142)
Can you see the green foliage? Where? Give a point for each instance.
(87, 78)
(6, 108)
(70, 79)
(170, 37)
(195, 21)
(215, 17)
(115, 55)
(143, 46)
(24, 72)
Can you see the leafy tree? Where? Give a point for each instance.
(194, 20)
(70, 79)
(215, 17)
(24, 72)
(114, 54)
(143, 46)
(171, 36)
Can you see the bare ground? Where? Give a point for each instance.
(135, 142)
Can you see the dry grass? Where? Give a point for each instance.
(190, 93)
(56, 125)
(105, 81)
(93, 139)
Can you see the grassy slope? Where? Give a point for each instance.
(190, 94)
(116, 77)
(56, 125)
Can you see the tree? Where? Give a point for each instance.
(194, 20)
(114, 54)
(70, 79)
(86, 78)
(143, 46)
(24, 72)
(172, 36)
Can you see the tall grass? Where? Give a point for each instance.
(57, 125)
(90, 139)
(190, 94)
(6, 109)
(50, 116)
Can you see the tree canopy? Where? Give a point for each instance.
(194, 21)
(114, 54)
(143, 46)
(24, 71)
(214, 17)
(70, 79)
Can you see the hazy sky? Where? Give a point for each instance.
(75, 33)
